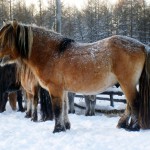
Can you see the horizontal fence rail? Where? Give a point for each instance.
(110, 94)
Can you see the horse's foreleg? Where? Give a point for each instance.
(29, 106)
(34, 107)
(58, 112)
(4, 101)
(66, 119)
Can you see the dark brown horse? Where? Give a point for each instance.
(62, 65)
(9, 87)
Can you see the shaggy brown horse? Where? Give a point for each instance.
(62, 65)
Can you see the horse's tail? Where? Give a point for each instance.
(144, 93)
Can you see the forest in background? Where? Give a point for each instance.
(97, 20)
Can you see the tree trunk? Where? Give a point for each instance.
(58, 16)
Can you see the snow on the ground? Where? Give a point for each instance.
(87, 133)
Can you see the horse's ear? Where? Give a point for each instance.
(15, 23)
(4, 22)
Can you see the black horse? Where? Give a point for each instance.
(8, 84)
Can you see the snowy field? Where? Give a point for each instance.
(87, 133)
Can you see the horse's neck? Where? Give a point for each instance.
(45, 35)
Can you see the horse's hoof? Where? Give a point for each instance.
(68, 125)
(133, 127)
(59, 128)
(34, 119)
(48, 118)
(92, 114)
(137, 128)
(71, 112)
(87, 114)
(28, 115)
(122, 125)
(21, 110)
(1, 111)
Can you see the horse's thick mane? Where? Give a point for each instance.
(20, 38)
(24, 40)
(64, 44)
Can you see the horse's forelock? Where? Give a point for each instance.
(7, 35)
(19, 38)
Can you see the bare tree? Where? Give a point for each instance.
(58, 16)
(10, 9)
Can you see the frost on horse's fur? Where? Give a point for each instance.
(129, 43)
(87, 68)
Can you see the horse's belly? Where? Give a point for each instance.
(93, 85)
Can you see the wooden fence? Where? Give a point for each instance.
(110, 94)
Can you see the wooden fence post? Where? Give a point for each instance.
(111, 100)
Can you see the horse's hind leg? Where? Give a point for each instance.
(19, 100)
(131, 94)
(71, 102)
(93, 103)
(66, 119)
(124, 120)
(87, 104)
